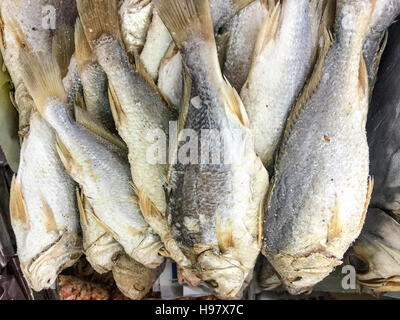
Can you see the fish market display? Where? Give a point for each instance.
(321, 189)
(219, 229)
(187, 148)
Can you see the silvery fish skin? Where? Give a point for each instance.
(213, 208)
(99, 169)
(139, 112)
(30, 17)
(320, 193)
(157, 43)
(383, 135)
(97, 165)
(135, 20)
(170, 76)
(133, 279)
(43, 209)
(102, 251)
(376, 253)
(243, 32)
(279, 70)
(158, 38)
(384, 14)
(8, 121)
(72, 83)
(223, 10)
(94, 81)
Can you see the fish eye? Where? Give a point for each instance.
(361, 266)
(213, 283)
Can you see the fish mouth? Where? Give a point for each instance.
(224, 276)
(43, 271)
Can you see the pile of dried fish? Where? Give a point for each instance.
(203, 131)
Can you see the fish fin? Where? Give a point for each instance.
(260, 225)
(241, 4)
(64, 154)
(99, 17)
(141, 70)
(185, 103)
(104, 226)
(378, 59)
(147, 206)
(16, 30)
(18, 210)
(222, 42)
(309, 88)
(42, 78)
(81, 207)
(83, 53)
(186, 17)
(48, 215)
(224, 231)
(116, 108)
(335, 229)
(235, 104)
(269, 28)
(363, 77)
(63, 47)
(367, 201)
(85, 119)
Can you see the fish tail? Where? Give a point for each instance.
(99, 17)
(353, 18)
(63, 47)
(269, 27)
(83, 53)
(186, 18)
(42, 78)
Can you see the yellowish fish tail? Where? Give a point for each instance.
(269, 27)
(42, 78)
(83, 53)
(186, 18)
(63, 47)
(99, 17)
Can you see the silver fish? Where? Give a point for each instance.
(320, 194)
(243, 31)
(135, 20)
(280, 66)
(138, 111)
(214, 208)
(96, 165)
(43, 209)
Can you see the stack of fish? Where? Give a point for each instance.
(202, 131)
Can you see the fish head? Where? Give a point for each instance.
(223, 277)
(42, 272)
(103, 254)
(300, 273)
(133, 279)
